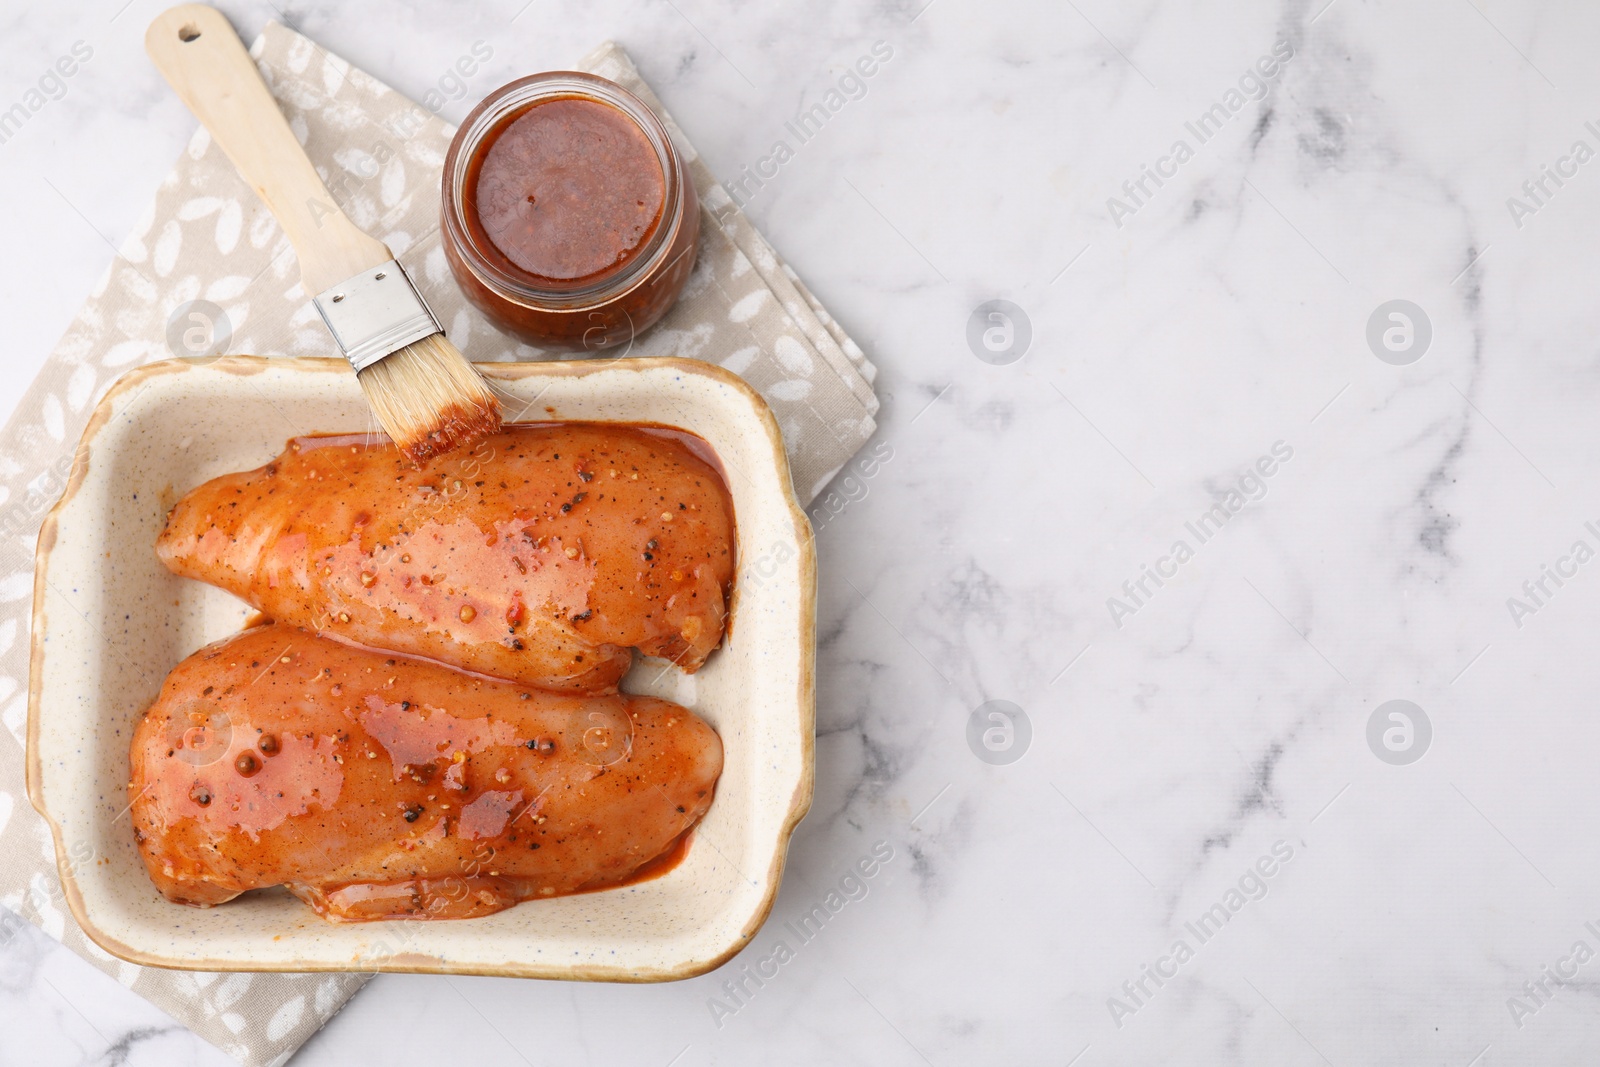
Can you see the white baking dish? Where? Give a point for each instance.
(109, 621)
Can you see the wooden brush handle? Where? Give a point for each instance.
(202, 58)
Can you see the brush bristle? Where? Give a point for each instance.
(430, 399)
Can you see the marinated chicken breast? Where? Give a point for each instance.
(541, 556)
(379, 786)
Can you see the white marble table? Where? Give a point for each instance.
(1201, 857)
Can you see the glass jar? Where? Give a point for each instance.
(566, 258)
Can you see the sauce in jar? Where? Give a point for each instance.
(568, 189)
(569, 219)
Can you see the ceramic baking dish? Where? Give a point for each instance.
(109, 621)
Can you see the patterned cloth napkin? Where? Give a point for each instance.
(207, 239)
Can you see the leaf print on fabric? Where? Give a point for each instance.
(197, 208)
(394, 182)
(746, 309)
(122, 354)
(285, 1018)
(55, 423)
(165, 255)
(795, 389)
(226, 288)
(793, 355)
(14, 716)
(229, 222)
(80, 387)
(16, 586)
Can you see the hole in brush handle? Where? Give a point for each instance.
(188, 33)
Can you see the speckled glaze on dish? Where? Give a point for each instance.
(167, 427)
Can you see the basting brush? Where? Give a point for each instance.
(425, 394)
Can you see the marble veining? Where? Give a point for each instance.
(1427, 912)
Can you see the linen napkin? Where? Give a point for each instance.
(206, 242)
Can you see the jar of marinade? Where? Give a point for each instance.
(569, 218)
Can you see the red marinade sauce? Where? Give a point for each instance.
(568, 190)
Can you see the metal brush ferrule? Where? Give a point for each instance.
(376, 313)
